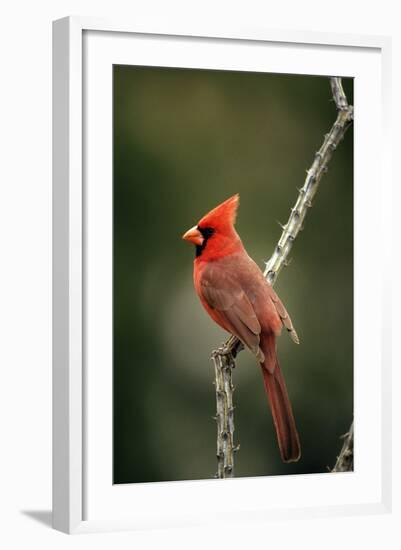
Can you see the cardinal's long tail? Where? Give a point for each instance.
(280, 405)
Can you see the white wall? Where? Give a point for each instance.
(25, 233)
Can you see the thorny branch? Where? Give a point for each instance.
(339, 96)
(345, 460)
(224, 358)
(224, 415)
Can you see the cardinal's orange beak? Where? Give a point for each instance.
(193, 235)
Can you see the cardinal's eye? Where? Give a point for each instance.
(206, 231)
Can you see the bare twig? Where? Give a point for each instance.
(345, 460)
(224, 358)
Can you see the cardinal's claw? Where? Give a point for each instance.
(223, 350)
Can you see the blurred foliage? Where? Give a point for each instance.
(184, 140)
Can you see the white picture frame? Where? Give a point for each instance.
(83, 496)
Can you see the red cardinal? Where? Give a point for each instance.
(237, 297)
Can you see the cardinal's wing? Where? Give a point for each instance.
(224, 295)
(283, 313)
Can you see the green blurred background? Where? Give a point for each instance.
(185, 140)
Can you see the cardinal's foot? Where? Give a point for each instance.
(230, 348)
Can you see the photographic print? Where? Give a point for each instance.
(232, 274)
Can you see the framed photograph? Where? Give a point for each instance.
(190, 169)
